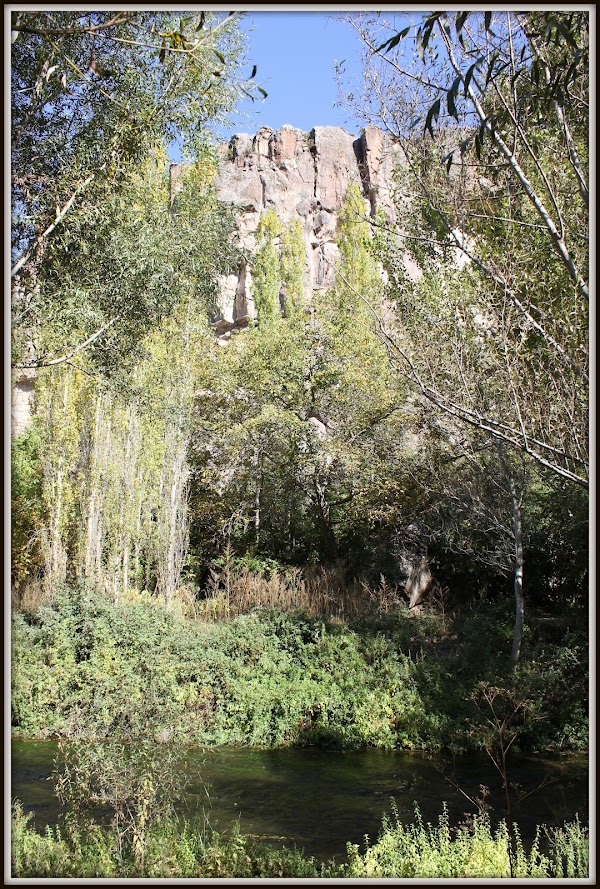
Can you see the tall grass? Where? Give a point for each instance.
(175, 849)
(314, 590)
(470, 850)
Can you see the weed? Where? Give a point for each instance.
(175, 850)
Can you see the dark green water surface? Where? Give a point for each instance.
(318, 800)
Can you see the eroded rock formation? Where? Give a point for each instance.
(303, 176)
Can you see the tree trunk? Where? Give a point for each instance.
(257, 495)
(518, 572)
(323, 510)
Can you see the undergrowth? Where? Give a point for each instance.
(475, 850)
(174, 849)
(83, 667)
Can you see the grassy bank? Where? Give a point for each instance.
(416, 850)
(82, 666)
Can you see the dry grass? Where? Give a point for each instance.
(320, 592)
(30, 596)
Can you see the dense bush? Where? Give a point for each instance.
(82, 667)
(172, 850)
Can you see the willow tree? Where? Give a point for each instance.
(94, 94)
(495, 168)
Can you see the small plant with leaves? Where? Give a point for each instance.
(134, 775)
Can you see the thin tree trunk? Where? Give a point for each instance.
(57, 562)
(257, 496)
(323, 510)
(171, 571)
(101, 447)
(518, 572)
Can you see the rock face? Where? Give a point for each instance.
(303, 176)
(22, 402)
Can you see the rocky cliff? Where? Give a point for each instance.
(304, 176)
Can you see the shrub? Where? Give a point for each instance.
(82, 666)
(474, 850)
(175, 850)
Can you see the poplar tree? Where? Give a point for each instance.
(266, 272)
(293, 259)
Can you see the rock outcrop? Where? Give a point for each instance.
(22, 401)
(303, 176)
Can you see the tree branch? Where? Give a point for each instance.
(66, 358)
(59, 217)
(558, 242)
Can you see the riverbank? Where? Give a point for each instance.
(127, 690)
(83, 667)
(319, 800)
(173, 849)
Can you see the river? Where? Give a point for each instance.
(318, 800)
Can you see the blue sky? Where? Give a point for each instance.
(295, 53)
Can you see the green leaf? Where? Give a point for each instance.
(389, 44)
(471, 72)
(490, 71)
(220, 56)
(262, 92)
(447, 159)
(488, 124)
(461, 17)
(432, 114)
(451, 98)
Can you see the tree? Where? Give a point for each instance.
(93, 96)
(473, 495)
(506, 189)
(266, 272)
(302, 413)
(292, 263)
(112, 447)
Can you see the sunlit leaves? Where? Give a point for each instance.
(91, 99)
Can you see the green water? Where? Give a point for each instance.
(318, 800)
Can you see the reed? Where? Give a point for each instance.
(315, 590)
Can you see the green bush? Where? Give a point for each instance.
(83, 667)
(172, 850)
(175, 850)
(471, 850)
